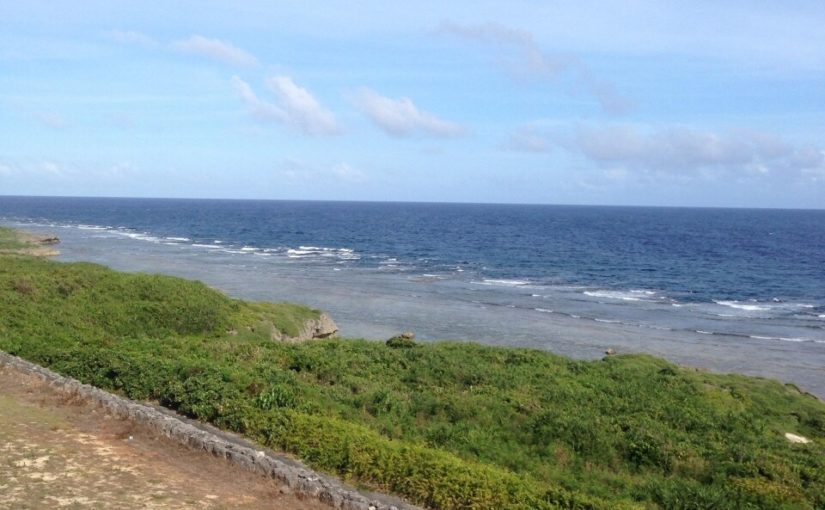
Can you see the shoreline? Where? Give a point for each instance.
(378, 306)
(444, 424)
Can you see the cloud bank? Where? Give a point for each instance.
(401, 118)
(296, 108)
(679, 150)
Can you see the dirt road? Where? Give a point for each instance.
(56, 453)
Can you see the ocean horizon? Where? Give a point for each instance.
(728, 289)
(412, 202)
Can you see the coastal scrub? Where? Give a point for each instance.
(448, 425)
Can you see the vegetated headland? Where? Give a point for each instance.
(447, 425)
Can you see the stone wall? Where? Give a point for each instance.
(292, 474)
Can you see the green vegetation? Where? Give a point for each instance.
(449, 425)
(10, 240)
(401, 341)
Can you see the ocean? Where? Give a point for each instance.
(730, 290)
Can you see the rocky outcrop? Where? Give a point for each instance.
(313, 329)
(46, 240)
(322, 327)
(37, 245)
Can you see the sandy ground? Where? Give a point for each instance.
(58, 453)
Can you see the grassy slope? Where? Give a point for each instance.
(450, 425)
(10, 240)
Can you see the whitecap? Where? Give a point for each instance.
(782, 338)
(502, 282)
(300, 252)
(138, 236)
(613, 294)
(750, 307)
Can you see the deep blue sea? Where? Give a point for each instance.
(726, 289)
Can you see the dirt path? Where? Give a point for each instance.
(56, 453)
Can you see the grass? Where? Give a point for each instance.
(448, 425)
(10, 240)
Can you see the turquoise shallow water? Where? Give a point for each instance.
(730, 290)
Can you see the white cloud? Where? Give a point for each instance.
(131, 37)
(303, 111)
(523, 58)
(346, 172)
(300, 172)
(75, 174)
(296, 108)
(680, 151)
(216, 49)
(50, 168)
(257, 108)
(400, 117)
(118, 170)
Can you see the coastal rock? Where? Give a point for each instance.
(35, 245)
(48, 240)
(313, 329)
(409, 335)
(322, 327)
(610, 352)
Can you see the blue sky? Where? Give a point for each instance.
(649, 103)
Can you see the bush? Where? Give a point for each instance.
(450, 425)
(400, 341)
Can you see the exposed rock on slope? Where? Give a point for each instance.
(322, 327)
(25, 243)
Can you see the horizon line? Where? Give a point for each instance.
(421, 202)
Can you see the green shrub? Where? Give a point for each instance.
(400, 341)
(450, 425)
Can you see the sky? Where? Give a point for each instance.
(672, 103)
